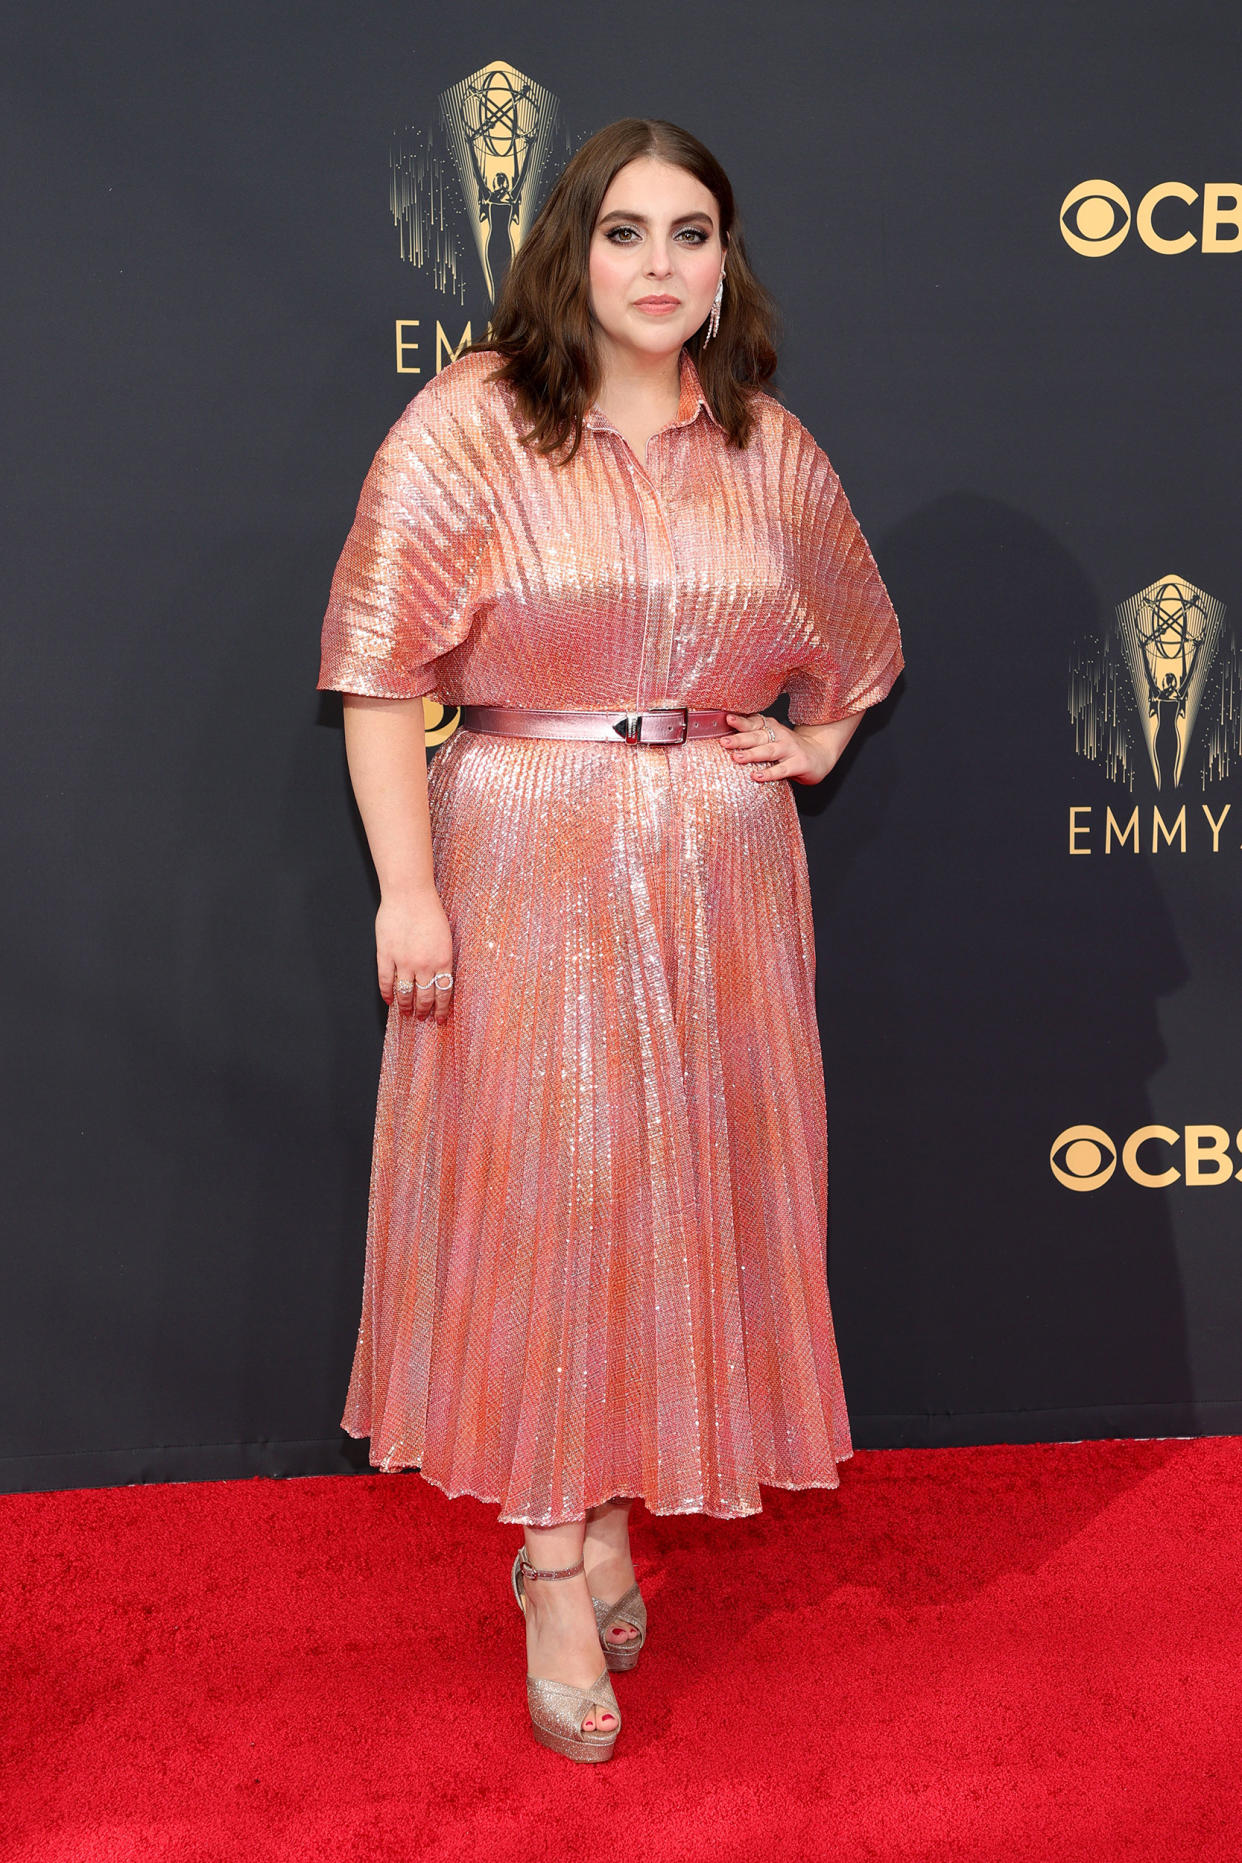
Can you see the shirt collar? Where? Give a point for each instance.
(689, 401)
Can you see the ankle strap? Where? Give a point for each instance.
(544, 1571)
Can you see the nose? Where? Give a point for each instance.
(659, 262)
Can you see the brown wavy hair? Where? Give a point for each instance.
(542, 324)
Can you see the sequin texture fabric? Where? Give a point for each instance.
(595, 1255)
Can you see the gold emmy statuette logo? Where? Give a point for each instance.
(1095, 217)
(471, 183)
(1169, 633)
(1085, 1158)
(1157, 700)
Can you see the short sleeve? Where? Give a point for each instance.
(853, 652)
(401, 591)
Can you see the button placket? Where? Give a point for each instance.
(648, 597)
(645, 487)
(647, 493)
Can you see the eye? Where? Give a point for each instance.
(1083, 1158)
(693, 235)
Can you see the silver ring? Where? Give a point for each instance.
(404, 986)
(444, 978)
(771, 735)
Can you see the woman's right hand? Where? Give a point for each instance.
(413, 940)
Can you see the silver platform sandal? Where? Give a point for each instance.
(629, 1609)
(558, 1709)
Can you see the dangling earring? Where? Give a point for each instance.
(713, 321)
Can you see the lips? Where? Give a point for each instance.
(656, 303)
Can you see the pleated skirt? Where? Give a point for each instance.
(595, 1253)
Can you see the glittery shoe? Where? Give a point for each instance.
(558, 1709)
(629, 1609)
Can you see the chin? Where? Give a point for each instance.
(659, 338)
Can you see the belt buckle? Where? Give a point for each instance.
(662, 711)
(631, 726)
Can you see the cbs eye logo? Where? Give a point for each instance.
(1084, 1157)
(1087, 1158)
(1096, 216)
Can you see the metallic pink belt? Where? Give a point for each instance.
(666, 724)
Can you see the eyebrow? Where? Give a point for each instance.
(682, 219)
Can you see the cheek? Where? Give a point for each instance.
(702, 271)
(608, 270)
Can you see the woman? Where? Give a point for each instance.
(596, 1238)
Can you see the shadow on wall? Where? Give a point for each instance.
(981, 991)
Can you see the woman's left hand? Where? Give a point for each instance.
(777, 750)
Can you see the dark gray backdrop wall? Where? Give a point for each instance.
(1034, 427)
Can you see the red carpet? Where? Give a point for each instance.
(969, 1655)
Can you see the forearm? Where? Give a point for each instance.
(385, 745)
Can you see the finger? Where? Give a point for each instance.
(444, 999)
(746, 743)
(403, 992)
(387, 983)
(744, 724)
(763, 749)
(781, 766)
(758, 732)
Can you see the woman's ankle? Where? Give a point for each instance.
(605, 1543)
(555, 1549)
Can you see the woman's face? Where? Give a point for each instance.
(655, 257)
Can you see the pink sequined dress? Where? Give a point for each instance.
(595, 1259)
